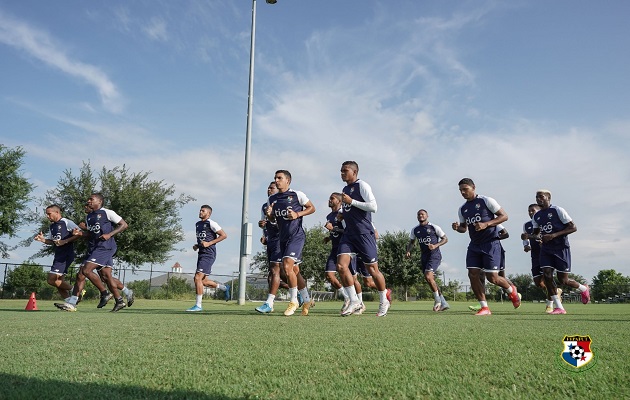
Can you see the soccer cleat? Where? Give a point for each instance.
(352, 307)
(346, 303)
(586, 295)
(119, 306)
(549, 309)
(388, 295)
(306, 306)
(383, 308)
(557, 311)
(474, 308)
(65, 306)
(437, 306)
(300, 299)
(484, 311)
(80, 297)
(293, 305)
(515, 297)
(195, 308)
(104, 300)
(227, 292)
(130, 298)
(444, 306)
(360, 310)
(264, 309)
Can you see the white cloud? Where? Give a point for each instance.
(40, 45)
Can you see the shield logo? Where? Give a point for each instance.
(577, 350)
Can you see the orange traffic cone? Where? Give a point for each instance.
(32, 303)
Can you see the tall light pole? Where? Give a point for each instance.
(246, 227)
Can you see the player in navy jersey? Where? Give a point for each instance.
(552, 225)
(430, 237)
(60, 235)
(209, 233)
(480, 215)
(335, 230)
(532, 246)
(358, 238)
(102, 224)
(286, 208)
(271, 239)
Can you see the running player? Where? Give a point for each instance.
(430, 237)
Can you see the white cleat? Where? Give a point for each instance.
(383, 308)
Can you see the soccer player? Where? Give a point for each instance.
(480, 215)
(334, 226)
(271, 239)
(430, 237)
(533, 247)
(552, 225)
(358, 238)
(59, 235)
(209, 233)
(102, 224)
(287, 208)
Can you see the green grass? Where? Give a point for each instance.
(155, 350)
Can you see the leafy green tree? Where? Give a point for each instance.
(151, 208)
(14, 194)
(608, 283)
(176, 287)
(25, 278)
(399, 270)
(525, 285)
(140, 288)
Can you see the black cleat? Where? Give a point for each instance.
(119, 306)
(104, 300)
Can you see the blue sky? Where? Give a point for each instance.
(517, 95)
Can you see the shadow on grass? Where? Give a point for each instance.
(19, 387)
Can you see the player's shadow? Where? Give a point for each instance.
(20, 387)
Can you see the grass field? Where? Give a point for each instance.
(155, 350)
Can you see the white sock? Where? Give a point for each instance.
(125, 290)
(483, 304)
(383, 296)
(436, 297)
(73, 300)
(556, 302)
(305, 297)
(199, 297)
(221, 286)
(344, 293)
(67, 299)
(508, 290)
(582, 288)
(549, 303)
(442, 299)
(360, 296)
(352, 293)
(293, 294)
(270, 299)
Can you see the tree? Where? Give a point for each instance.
(25, 278)
(399, 270)
(151, 208)
(177, 287)
(14, 194)
(608, 283)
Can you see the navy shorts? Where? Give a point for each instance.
(292, 249)
(205, 262)
(101, 257)
(61, 263)
(502, 265)
(558, 259)
(432, 262)
(360, 268)
(536, 270)
(363, 246)
(273, 251)
(485, 256)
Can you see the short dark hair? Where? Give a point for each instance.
(466, 181)
(352, 164)
(207, 206)
(273, 183)
(98, 196)
(337, 195)
(285, 173)
(533, 205)
(55, 206)
(422, 209)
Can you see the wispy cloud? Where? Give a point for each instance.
(42, 46)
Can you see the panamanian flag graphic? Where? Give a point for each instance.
(577, 350)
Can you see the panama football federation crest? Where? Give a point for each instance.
(577, 352)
